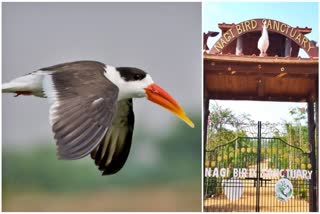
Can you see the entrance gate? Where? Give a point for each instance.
(242, 175)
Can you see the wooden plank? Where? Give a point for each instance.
(260, 78)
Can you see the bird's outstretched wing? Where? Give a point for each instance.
(113, 151)
(83, 104)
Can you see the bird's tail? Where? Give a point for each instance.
(11, 87)
(7, 88)
(30, 84)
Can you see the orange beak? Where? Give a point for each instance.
(157, 95)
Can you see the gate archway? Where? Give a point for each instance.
(235, 31)
(273, 78)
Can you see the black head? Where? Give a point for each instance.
(131, 74)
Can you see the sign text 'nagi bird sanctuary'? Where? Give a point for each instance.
(256, 25)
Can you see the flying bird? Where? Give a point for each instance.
(91, 108)
(263, 42)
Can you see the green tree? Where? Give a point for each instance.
(297, 129)
(224, 125)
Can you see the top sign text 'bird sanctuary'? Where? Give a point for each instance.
(256, 25)
(265, 173)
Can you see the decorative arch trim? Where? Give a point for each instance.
(254, 25)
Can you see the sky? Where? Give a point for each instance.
(294, 14)
(274, 112)
(163, 39)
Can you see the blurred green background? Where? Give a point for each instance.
(163, 173)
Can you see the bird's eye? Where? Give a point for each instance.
(137, 77)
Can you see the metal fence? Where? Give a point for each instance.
(257, 174)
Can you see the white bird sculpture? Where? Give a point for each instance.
(263, 42)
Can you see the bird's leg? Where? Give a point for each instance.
(22, 93)
(263, 54)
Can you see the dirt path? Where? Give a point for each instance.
(247, 202)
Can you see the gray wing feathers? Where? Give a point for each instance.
(113, 151)
(84, 102)
(79, 133)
